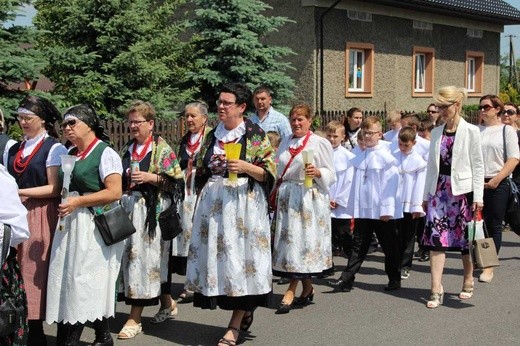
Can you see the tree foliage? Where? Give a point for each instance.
(109, 52)
(19, 61)
(229, 47)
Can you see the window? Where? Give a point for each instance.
(422, 72)
(474, 73)
(360, 64)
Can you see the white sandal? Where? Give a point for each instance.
(129, 332)
(165, 314)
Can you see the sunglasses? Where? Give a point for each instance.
(71, 123)
(509, 112)
(485, 108)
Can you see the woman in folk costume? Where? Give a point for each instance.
(302, 242)
(229, 262)
(83, 270)
(196, 116)
(149, 165)
(35, 163)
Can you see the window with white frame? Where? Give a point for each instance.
(475, 73)
(423, 60)
(420, 69)
(359, 69)
(356, 70)
(471, 74)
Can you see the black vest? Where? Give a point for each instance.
(36, 172)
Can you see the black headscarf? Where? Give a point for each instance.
(42, 108)
(87, 114)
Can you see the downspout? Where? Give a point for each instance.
(321, 51)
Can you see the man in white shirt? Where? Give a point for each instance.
(266, 116)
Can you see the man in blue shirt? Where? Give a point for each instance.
(266, 116)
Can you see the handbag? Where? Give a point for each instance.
(483, 251)
(170, 222)
(10, 310)
(512, 217)
(114, 225)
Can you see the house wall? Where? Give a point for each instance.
(391, 31)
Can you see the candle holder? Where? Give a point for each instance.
(308, 157)
(67, 166)
(232, 151)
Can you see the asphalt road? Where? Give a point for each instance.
(365, 316)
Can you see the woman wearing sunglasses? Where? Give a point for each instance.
(495, 137)
(35, 163)
(83, 269)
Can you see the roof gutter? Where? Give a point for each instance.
(321, 51)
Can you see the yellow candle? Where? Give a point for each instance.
(232, 151)
(307, 156)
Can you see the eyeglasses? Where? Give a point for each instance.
(442, 108)
(485, 108)
(369, 133)
(509, 112)
(71, 123)
(26, 118)
(225, 104)
(136, 122)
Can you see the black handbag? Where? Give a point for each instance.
(170, 222)
(10, 310)
(114, 225)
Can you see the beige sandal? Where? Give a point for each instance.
(467, 291)
(129, 332)
(435, 300)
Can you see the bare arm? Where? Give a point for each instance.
(52, 189)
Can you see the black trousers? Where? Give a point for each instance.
(341, 236)
(406, 229)
(421, 224)
(387, 236)
(495, 207)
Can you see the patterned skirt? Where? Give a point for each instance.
(447, 218)
(13, 283)
(34, 253)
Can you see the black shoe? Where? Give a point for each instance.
(418, 254)
(425, 257)
(283, 281)
(393, 285)
(283, 308)
(304, 301)
(340, 285)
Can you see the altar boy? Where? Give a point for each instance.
(412, 171)
(374, 204)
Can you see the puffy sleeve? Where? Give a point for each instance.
(110, 164)
(324, 161)
(54, 159)
(477, 164)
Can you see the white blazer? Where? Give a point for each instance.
(467, 164)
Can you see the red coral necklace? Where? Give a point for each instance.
(19, 166)
(139, 157)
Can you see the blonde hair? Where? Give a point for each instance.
(393, 116)
(2, 121)
(370, 121)
(334, 125)
(448, 95)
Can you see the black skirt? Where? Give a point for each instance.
(246, 303)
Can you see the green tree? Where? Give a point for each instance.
(19, 61)
(109, 52)
(228, 38)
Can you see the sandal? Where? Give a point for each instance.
(129, 332)
(230, 342)
(165, 314)
(467, 291)
(435, 300)
(185, 297)
(247, 321)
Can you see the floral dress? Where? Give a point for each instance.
(447, 216)
(229, 261)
